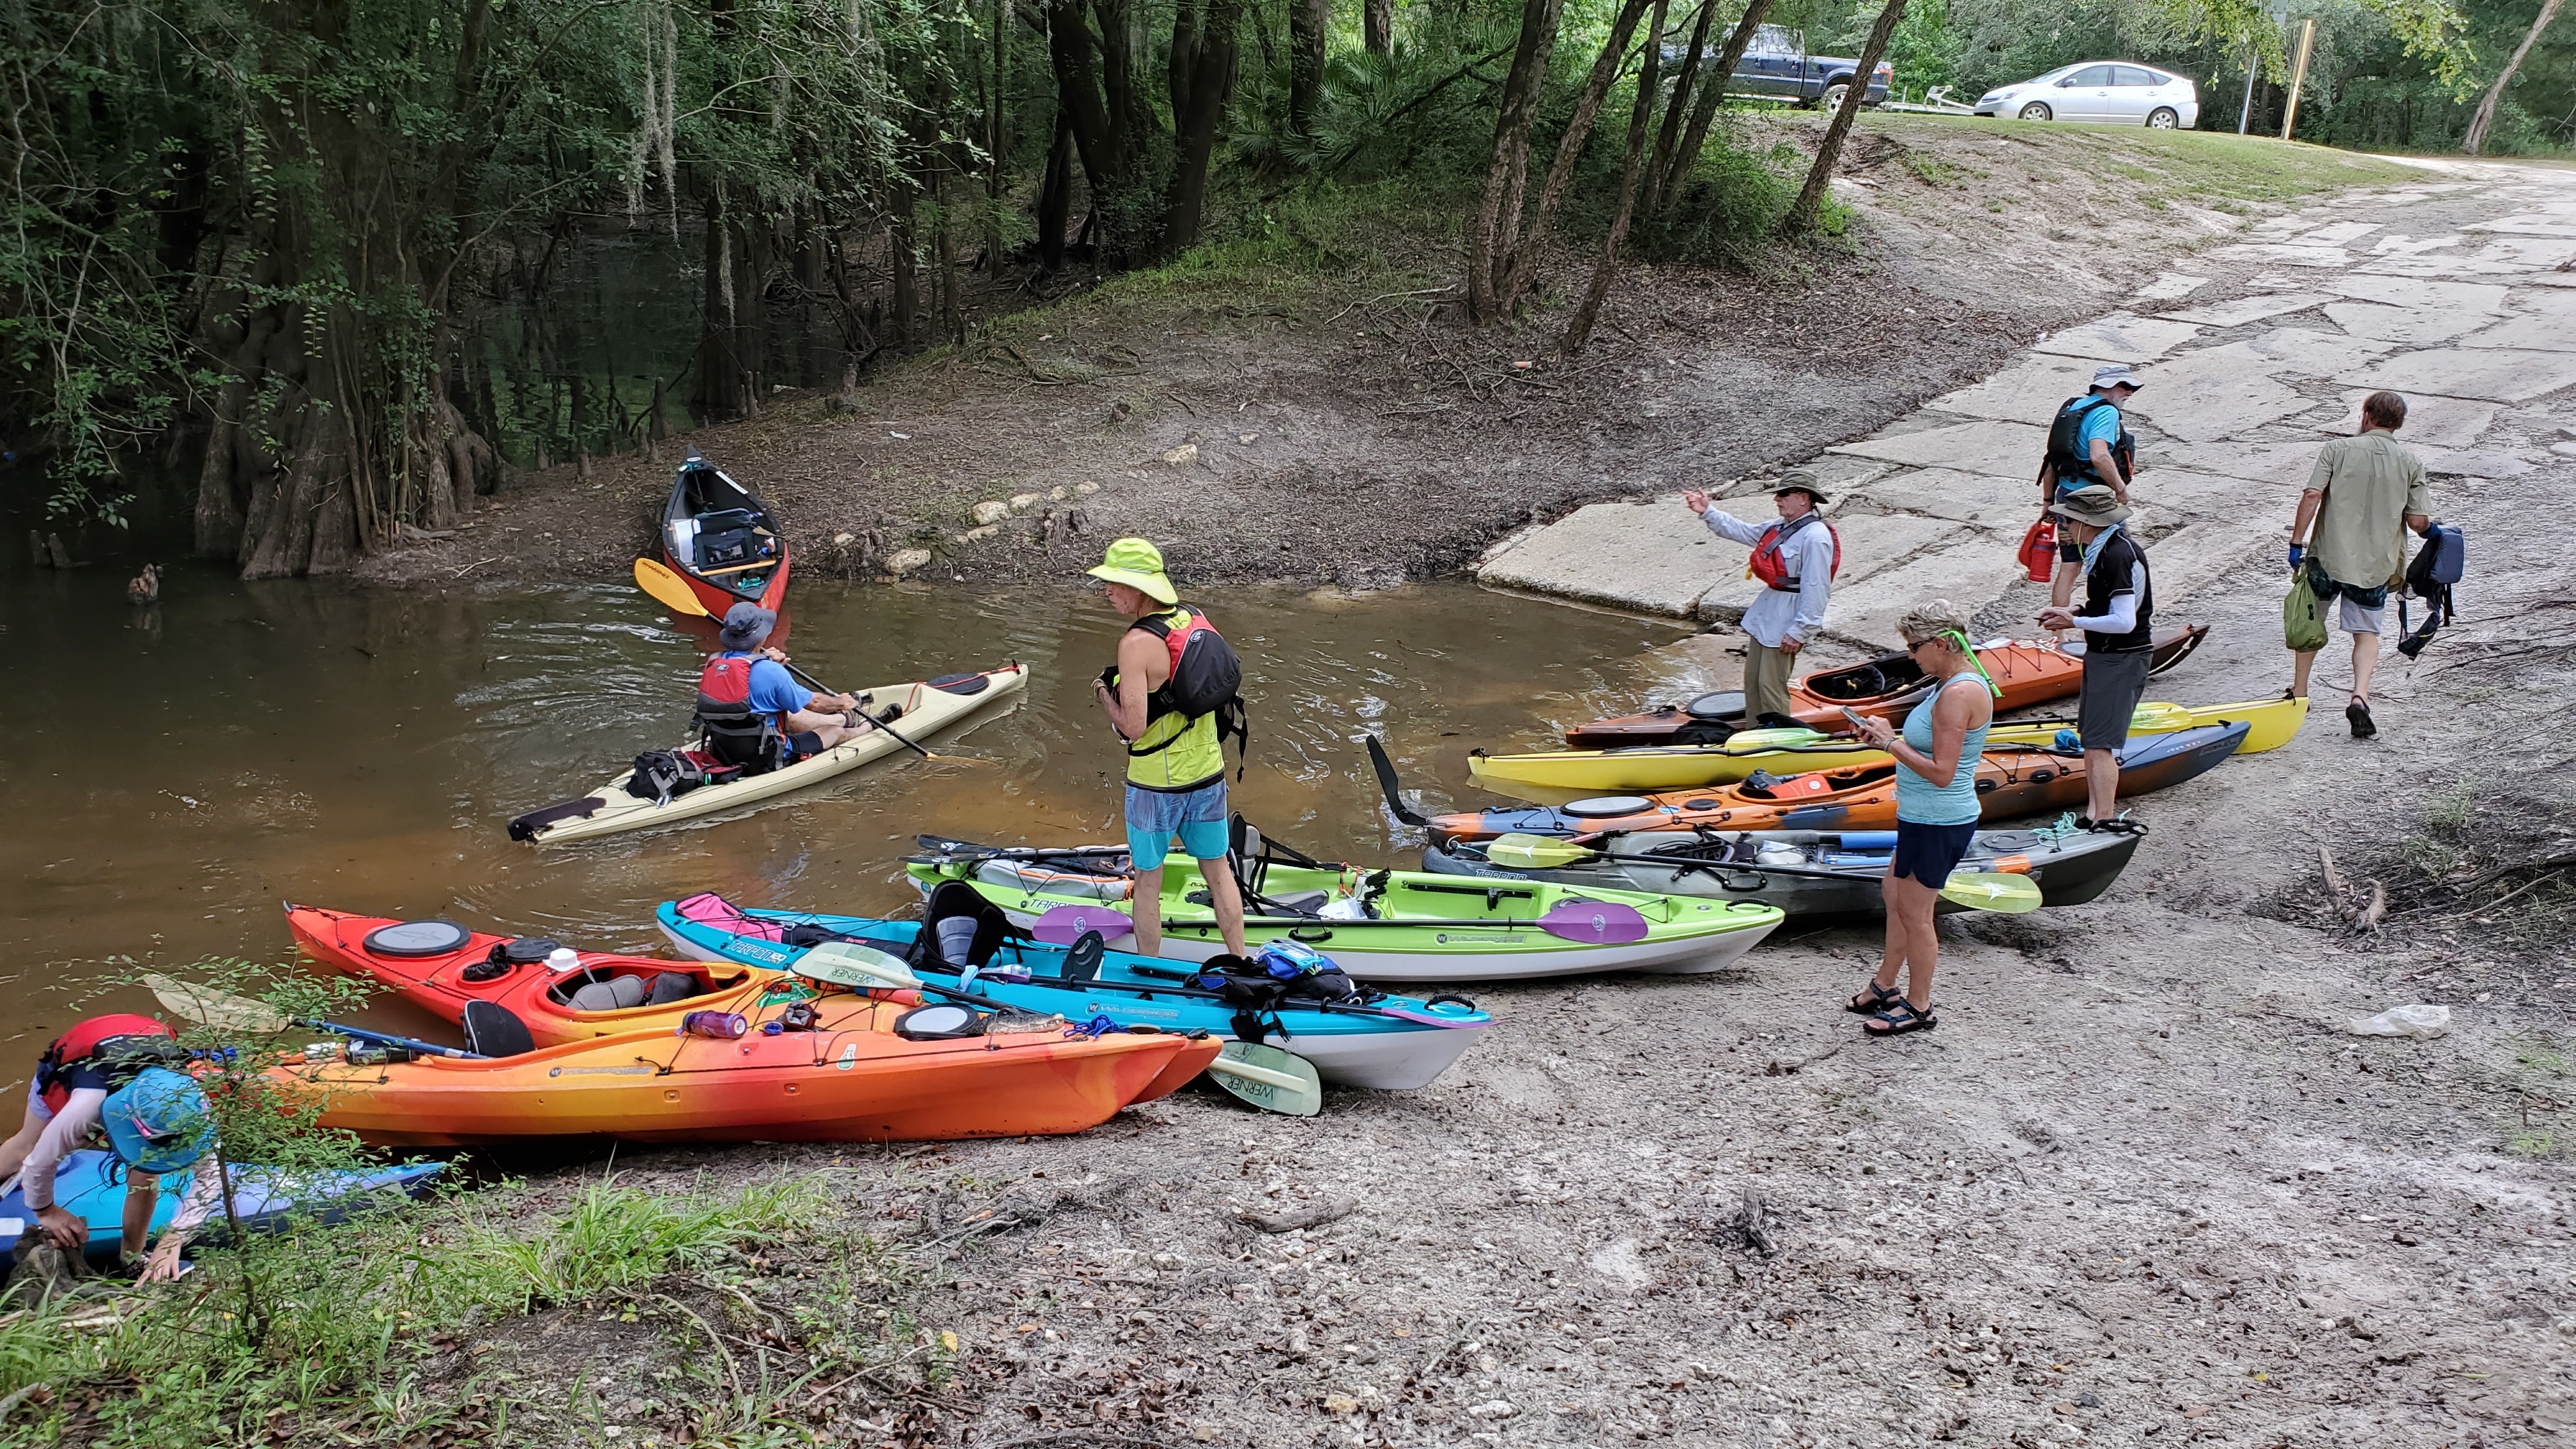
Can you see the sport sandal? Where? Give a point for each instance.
(1901, 1018)
(1872, 1000)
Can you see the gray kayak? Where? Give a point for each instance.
(1812, 872)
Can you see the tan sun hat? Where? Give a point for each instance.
(1139, 565)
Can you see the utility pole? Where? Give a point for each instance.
(2298, 74)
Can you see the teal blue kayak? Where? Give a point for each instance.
(1372, 1040)
(91, 1185)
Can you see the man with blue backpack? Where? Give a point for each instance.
(2349, 541)
(1173, 696)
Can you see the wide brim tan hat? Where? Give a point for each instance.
(1136, 563)
(2096, 505)
(1799, 480)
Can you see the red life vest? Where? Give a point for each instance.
(736, 734)
(88, 1041)
(1773, 571)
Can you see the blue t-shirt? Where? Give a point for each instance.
(2101, 421)
(773, 689)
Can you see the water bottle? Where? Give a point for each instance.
(720, 1025)
(562, 959)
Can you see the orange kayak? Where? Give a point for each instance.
(1884, 687)
(604, 995)
(852, 1079)
(1859, 797)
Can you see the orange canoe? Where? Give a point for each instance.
(850, 1080)
(2027, 674)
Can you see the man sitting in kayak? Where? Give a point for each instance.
(103, 1073)
(746, 699)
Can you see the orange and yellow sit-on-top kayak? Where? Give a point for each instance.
(851, 1078)
(2025, 672)
(442, 967)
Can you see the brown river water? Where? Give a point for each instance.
(180, 769)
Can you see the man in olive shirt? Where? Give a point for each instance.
(2365, 494)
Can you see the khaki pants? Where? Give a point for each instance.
(1766, 681)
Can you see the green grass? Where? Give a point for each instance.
(357, 1310)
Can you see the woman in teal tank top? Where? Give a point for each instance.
(1936, 811)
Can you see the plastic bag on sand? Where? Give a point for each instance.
(2420, 1022)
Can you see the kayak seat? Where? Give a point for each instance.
(492, 1031)
(1303, 903)
(672, 986)
(617, 993)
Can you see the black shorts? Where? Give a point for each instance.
(2113, 685)
(804, 745)
(2069, 551)
(1930, 852)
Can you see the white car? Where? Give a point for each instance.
(2107, 92)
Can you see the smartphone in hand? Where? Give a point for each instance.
(1859, 721)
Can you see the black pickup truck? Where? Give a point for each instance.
(1776, 65)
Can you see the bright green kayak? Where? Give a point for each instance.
(1379, 925)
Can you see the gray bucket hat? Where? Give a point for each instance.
(745, 625)
(2115, 374)
(1799, 480)
(2095, 504)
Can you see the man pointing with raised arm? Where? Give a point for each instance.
(1795, 558)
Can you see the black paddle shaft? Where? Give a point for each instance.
(890, 730)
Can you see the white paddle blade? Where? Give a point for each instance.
(1987, 890)
(206, 1006)
(1268, 1078)
(856, 967)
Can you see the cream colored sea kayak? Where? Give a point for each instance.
(1560, 777)
(928, 708)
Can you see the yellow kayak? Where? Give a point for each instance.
(1559, 777)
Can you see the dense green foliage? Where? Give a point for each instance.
(338, 261)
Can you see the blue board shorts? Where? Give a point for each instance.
(1930, 852)
(1195, 817)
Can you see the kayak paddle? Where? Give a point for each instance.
(1269, 1078)
(672, 592)
(226, 1012)
(1595, 923)
(1997, 891)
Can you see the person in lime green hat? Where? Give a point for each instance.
(1170, 696)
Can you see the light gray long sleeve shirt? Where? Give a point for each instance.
(1776, 614)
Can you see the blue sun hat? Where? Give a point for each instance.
(159, 1122)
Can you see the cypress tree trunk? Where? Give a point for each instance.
(1377, 25)
(1203, 56)
(1811, 197)
(1640, 124)
(1489, 242)
(2484, 121)
(1521, 263)
(1309, 21)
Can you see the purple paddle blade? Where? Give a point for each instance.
(1600, 923)
(1426, 1018)
(1064, 925)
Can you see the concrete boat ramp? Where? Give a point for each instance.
(2252, 355)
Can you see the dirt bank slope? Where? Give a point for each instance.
(1347, 428)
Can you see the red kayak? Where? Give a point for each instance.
(442, 968)
(722, 540)
(446, 969)
(1885, 687)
